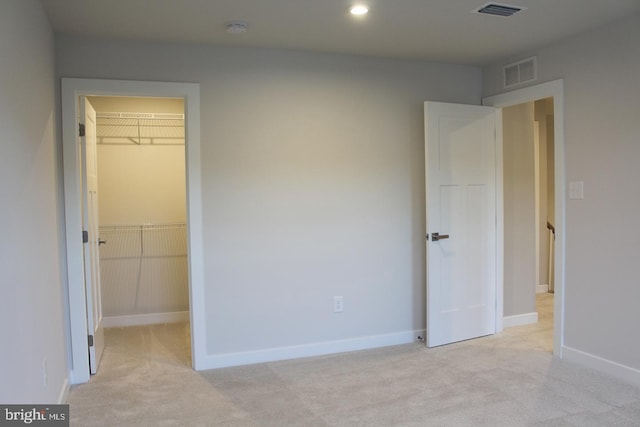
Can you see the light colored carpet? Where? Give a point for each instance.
(509, 379)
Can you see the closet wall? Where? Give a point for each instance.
(142, 209)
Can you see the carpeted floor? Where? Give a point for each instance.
(509, 379)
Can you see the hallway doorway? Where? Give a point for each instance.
(555, 91)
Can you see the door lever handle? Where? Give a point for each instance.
(437, 236)
(101, 242)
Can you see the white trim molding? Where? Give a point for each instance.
(542, 289)
(145, 319)
(520, 320)
(214, 361)
(64, 392)
(617, 370)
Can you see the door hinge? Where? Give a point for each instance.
(85, 236)
(81, 131)
(90, 340)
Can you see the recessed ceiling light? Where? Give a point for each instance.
(359, 9)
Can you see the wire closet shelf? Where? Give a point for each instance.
(144, 268)
(121, 128)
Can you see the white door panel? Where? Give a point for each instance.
(90, 225)
(461, 204)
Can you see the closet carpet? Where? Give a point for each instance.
(509, 379)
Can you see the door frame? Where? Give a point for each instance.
(554, 89)
(72, 88)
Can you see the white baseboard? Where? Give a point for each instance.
(215, 361)
(520, 319)
(64, 392)
(617, 370)
(145, 319)
(542, 289)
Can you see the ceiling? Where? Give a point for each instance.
(438, 30)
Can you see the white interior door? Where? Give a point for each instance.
(460, 150)
(90, 226)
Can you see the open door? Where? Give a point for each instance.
(460, 159)
(91, 238)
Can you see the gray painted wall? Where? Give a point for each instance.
(313, 183)
(519, 210)
(600, 70)
(31, 314)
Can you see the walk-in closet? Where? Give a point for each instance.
(142, 210)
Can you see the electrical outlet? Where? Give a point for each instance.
(338, 304)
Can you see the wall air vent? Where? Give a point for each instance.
(499, 9)
(520, 72)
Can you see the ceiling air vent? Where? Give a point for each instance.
(520, 72)
(499, 9)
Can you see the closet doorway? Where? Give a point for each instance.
(142, 212)
(79, 301)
